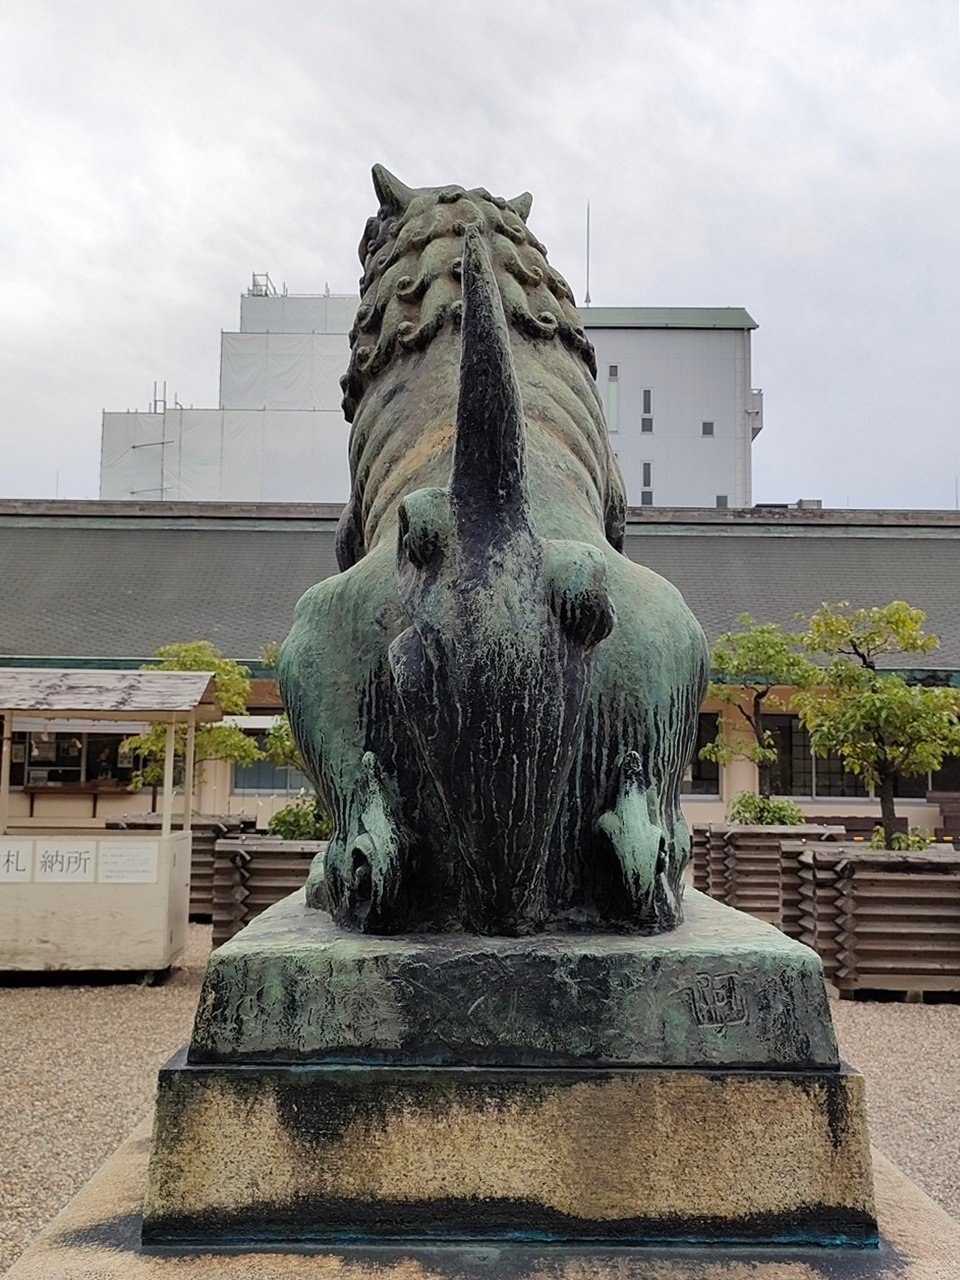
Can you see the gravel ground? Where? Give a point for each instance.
(80, 1067)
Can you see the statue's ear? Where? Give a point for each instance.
(521, 205)
(393, 195)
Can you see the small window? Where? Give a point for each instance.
(613, 400)
(722, 500)
(706, 428)
(646, 424)
(648, 475)
(647, 400)
(702, 777)
(613, 371)
(646, 498)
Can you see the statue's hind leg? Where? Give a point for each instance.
(624, 839)
(378, 872)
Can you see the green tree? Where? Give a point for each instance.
(747, 666)
(878, 724)
(304, 818)
(278, 745)
(217, 741)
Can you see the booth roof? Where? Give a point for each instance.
(109, 695)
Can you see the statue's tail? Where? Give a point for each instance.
(488, 483)
(493, 674)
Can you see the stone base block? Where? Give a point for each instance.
(97, 1237)
(723, 990)
(331, 1153)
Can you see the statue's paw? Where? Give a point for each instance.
(316, 885)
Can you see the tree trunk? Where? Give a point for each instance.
(763, 766)
(763, 777)
(887, 811)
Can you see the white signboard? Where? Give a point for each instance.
(16, 861)
(129, 862)
(65, 862)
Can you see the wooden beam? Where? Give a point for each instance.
(5, 771)
(167, 810)
(188, 771)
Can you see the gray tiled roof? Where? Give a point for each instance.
(774, 577)
(78, 581)
(108, 592)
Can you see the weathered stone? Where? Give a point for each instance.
(97, 1237)
(722, 990)
(312, 1153)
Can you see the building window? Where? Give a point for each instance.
(648, 475)
(702, 777)
(613, 398)
(830, 778)
(947, 777)
(265, 778)
(646, 425)
(914, 788)
(43, 758)
(647, 400)
(791, 774)
(796, 772)
(722, 500)
(646, 498)
(706, 428)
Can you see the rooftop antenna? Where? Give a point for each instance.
(586, 296)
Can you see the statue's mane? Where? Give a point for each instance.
(411, 253)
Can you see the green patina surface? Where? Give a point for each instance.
(722, 990)
(514, 677)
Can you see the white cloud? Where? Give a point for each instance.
(800, 159)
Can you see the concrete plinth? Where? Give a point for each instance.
(97, 1237)
(312, 1153)
(723, 990)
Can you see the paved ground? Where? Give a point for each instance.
(80, 1067)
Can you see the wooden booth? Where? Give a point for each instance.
(98, 899)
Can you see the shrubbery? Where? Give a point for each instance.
(302, 819)
(915, 838)
(765, 811)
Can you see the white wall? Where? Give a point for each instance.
(216, 455)
(694, 376)
(298, 313)
(279, 433)
(282, 370)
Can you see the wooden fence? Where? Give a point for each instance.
(878, 920)
(898, 921)
(744, 867)
(252, 872)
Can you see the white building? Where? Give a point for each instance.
(675, 383)
(680, 408)
(278, 435)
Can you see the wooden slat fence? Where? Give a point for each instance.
(253, 872)
(744, 866)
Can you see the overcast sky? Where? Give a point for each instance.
(800, 158)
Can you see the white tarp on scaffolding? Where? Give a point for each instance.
(131, 455)
(282, 370)
(226, 455)
(298, 313)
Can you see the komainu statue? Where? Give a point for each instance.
(495, 704)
